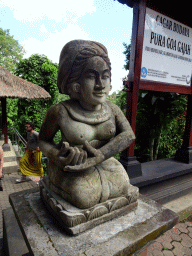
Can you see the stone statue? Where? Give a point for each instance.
(85, 183)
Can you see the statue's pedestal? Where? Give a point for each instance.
(127, 233)
(75, 220)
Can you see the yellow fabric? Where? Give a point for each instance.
(30, 163)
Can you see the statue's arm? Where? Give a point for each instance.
(123, 139)
(47, 132)
(124, 134)
(65, 154)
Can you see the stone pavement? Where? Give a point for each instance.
(9, 187)
(177, 241)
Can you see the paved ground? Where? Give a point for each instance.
(9, 187)
(177, 241)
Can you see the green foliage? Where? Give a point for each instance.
(119, 99)
(160, 121)
(40, 70)
(171, 139)
(157, 113)
(12, 110)
(62, 97)
(11, 52)
(127, 53)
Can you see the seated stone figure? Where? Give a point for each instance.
(82, 170)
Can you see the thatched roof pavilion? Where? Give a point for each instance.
(12, 86)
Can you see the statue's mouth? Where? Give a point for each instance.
(99, 94)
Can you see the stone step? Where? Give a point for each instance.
(10, 167)
(175, 194)
(13, 241)
(10, 164)
(181, 205)
(10, 159)
(19, 153)
(9, 156)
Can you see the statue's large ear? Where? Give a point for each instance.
(111, 87)
(76, 87)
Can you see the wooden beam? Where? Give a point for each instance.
(4, 119)
(162, 87)
(139, 11)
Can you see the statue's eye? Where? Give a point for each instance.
(105, 76)
(91, 76)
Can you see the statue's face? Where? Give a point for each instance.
(95, 82)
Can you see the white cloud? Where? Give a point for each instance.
(118, 72)
(52, 46)
(57, 10)
(43, 28)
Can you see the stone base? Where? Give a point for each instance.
(132, 166)
(123, 235)
(184, 154)
(6, 147)
(75, 220)
(160, 170)
(10, 164)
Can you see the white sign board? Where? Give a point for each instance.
(167, 50)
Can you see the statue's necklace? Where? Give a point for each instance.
(86, 116)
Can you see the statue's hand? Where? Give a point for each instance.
(97, 158)
(71, 155)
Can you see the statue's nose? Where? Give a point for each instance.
(99, 84)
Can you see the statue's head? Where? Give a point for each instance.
(80, 59)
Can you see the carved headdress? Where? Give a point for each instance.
(73, 60)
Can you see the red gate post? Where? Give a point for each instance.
(184, 154)
(128, 159)
(6, 146)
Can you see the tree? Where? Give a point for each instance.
(157, 116)
(11, 52)
(40, 70)
(127, 53)
(119, 99)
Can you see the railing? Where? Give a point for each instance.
(17, 138)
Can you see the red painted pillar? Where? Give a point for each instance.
(135, 65)
(128, 159)
(4, 119)
(6, 146)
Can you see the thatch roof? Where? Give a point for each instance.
(12, 86)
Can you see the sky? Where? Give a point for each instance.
(44, 27)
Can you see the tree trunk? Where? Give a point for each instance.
(156, 148)
(151, 145)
